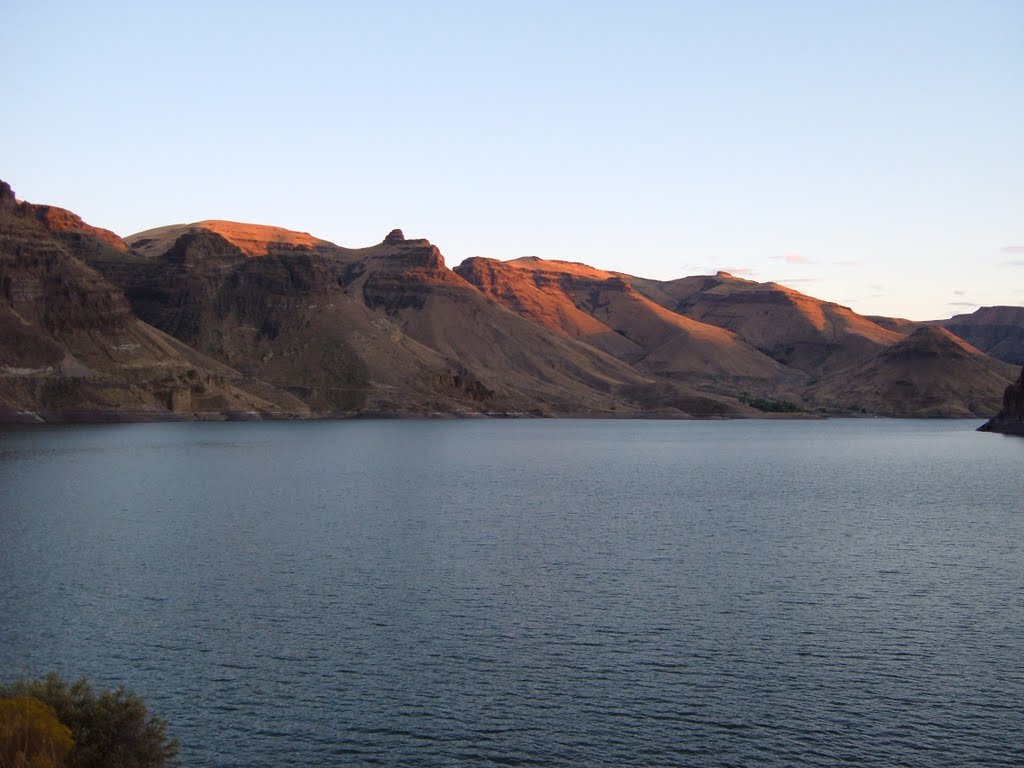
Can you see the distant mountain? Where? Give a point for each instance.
(222, 319)
(996, 331)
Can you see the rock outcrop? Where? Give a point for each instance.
(1010, 420)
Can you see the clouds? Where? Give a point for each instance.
(1013, 250)
(960, 302)
(798, 280)
(793, 258)
(740, 271)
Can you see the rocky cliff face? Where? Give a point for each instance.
(1009, 420)
(72, 348)
(271, 303)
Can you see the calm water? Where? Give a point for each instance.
(550, 593)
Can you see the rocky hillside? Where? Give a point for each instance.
(794, 329)
(221, 319)
(387, 329)
(929, 373)
(604, 310)
(71, 348)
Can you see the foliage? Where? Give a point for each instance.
(31, 736)
(771, 406)
(111, 729)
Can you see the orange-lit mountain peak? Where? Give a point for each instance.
(258, 239)
(575, 268)
(254, 240)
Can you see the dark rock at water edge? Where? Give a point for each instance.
(1010, 420)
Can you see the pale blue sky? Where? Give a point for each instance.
(870, 153)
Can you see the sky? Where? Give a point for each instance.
(868, 153)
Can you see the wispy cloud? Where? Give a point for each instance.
(740, 271)
(877, 288)
(846, 263)
(799, 280)
(793, 258)
(1013, 250)
(959, 293)
(962, 303)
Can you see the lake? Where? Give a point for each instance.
(548, 593)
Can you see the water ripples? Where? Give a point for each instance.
(531, 593)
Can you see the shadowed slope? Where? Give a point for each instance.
(929, 373)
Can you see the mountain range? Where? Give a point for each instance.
(219, 319)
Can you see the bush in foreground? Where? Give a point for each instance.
(31, 736)
(110, 729)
